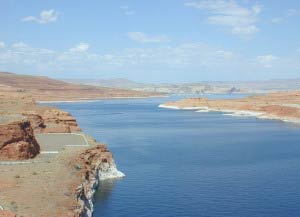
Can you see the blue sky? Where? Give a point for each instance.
(152, 41)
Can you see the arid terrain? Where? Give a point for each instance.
(47, 89)
(280, 105)
(261, 86)
(30, 174)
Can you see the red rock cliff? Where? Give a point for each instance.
(17, 141)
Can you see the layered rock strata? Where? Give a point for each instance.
(97, 164)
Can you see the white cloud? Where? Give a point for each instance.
(81, 47)
(48, 16)
(19, 45)
(189, 60)
(276, 20)
(267, 60)
(127, 10)
(241, 20)
(80, 59)
(2, 44)
(143, 38)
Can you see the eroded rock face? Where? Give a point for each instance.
(17, 141)
(57, 121)
(36, 121)
(95, 164)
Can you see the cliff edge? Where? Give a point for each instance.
(42, 178)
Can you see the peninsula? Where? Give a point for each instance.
(283, 106)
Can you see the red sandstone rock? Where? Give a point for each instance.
(17, 141)
(5, 213)
(57, 121)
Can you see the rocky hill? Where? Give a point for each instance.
(47, 89)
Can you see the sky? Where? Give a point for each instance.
(152, 41)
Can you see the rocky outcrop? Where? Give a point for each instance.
(96, 164)
(58, 121)
(17, 141)
(36, 120)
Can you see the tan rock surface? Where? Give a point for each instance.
(280, 105)
(48, 188)
(5, 213)
(47, 185)
(46, 89)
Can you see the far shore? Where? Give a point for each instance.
(284, 106)
(236, 113)
(97, 100)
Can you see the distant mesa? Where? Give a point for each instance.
(214, 87)
(47, 89)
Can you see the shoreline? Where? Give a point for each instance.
(235, 113)
(64, 170)
(97, 100)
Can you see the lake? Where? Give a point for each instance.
(183, 163)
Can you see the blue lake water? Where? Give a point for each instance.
(183, 163)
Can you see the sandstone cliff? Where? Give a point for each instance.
(68, 179)
(97, 164)
(17, 141)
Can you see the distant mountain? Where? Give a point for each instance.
(47, 89)
(198, 87)
(268, 85)
(116, 83)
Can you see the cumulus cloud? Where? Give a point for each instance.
(81, 47)
(79, 57)
(276, 20)
(2, 44)
(144, 38)
(241, 20)
(19, 45)
(48, 16)
(192, 60)
(267, 60)
(127, 10)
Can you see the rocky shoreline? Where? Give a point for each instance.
(97, 168)
(284, 106)
(63, 184)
